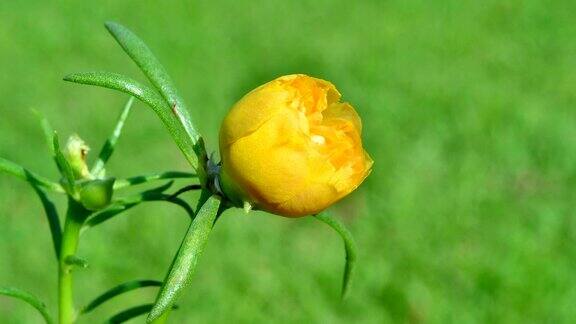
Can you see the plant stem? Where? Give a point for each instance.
(75, 217)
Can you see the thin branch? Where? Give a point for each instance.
(350, 248)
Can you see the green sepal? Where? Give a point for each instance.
(232, 191)
(96, 194)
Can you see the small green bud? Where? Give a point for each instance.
(75, 261)
(247, 207)
(75, 153)
(96, 194)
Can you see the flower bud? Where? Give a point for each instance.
(290, 147)
(75, 153)
(96, 194)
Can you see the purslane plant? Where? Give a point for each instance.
(289, 147)
(91, 200)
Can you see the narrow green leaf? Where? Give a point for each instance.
(20, 172)
(123, 183)
(350, 247)
(30, 299)
(47, 130)
(63, 166)
(151, 98)
(155, 72)
(110, 143)
(118, 290)
(187, 257)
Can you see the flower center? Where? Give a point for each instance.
(318, 139)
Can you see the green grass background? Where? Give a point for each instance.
(469, 111)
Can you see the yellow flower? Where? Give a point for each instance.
(290, 147)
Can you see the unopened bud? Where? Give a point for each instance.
(96, 194)
(75, 153)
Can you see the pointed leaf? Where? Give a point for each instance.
(118, 290)
(110, 143)
(122, 183)
(48, 132)
(151, 98)
(155, 72)
(350, 247)
(28, 298)
(187, 257)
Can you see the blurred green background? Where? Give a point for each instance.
(469, 114)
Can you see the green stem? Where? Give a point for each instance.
(75, 217)
(349, 246)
